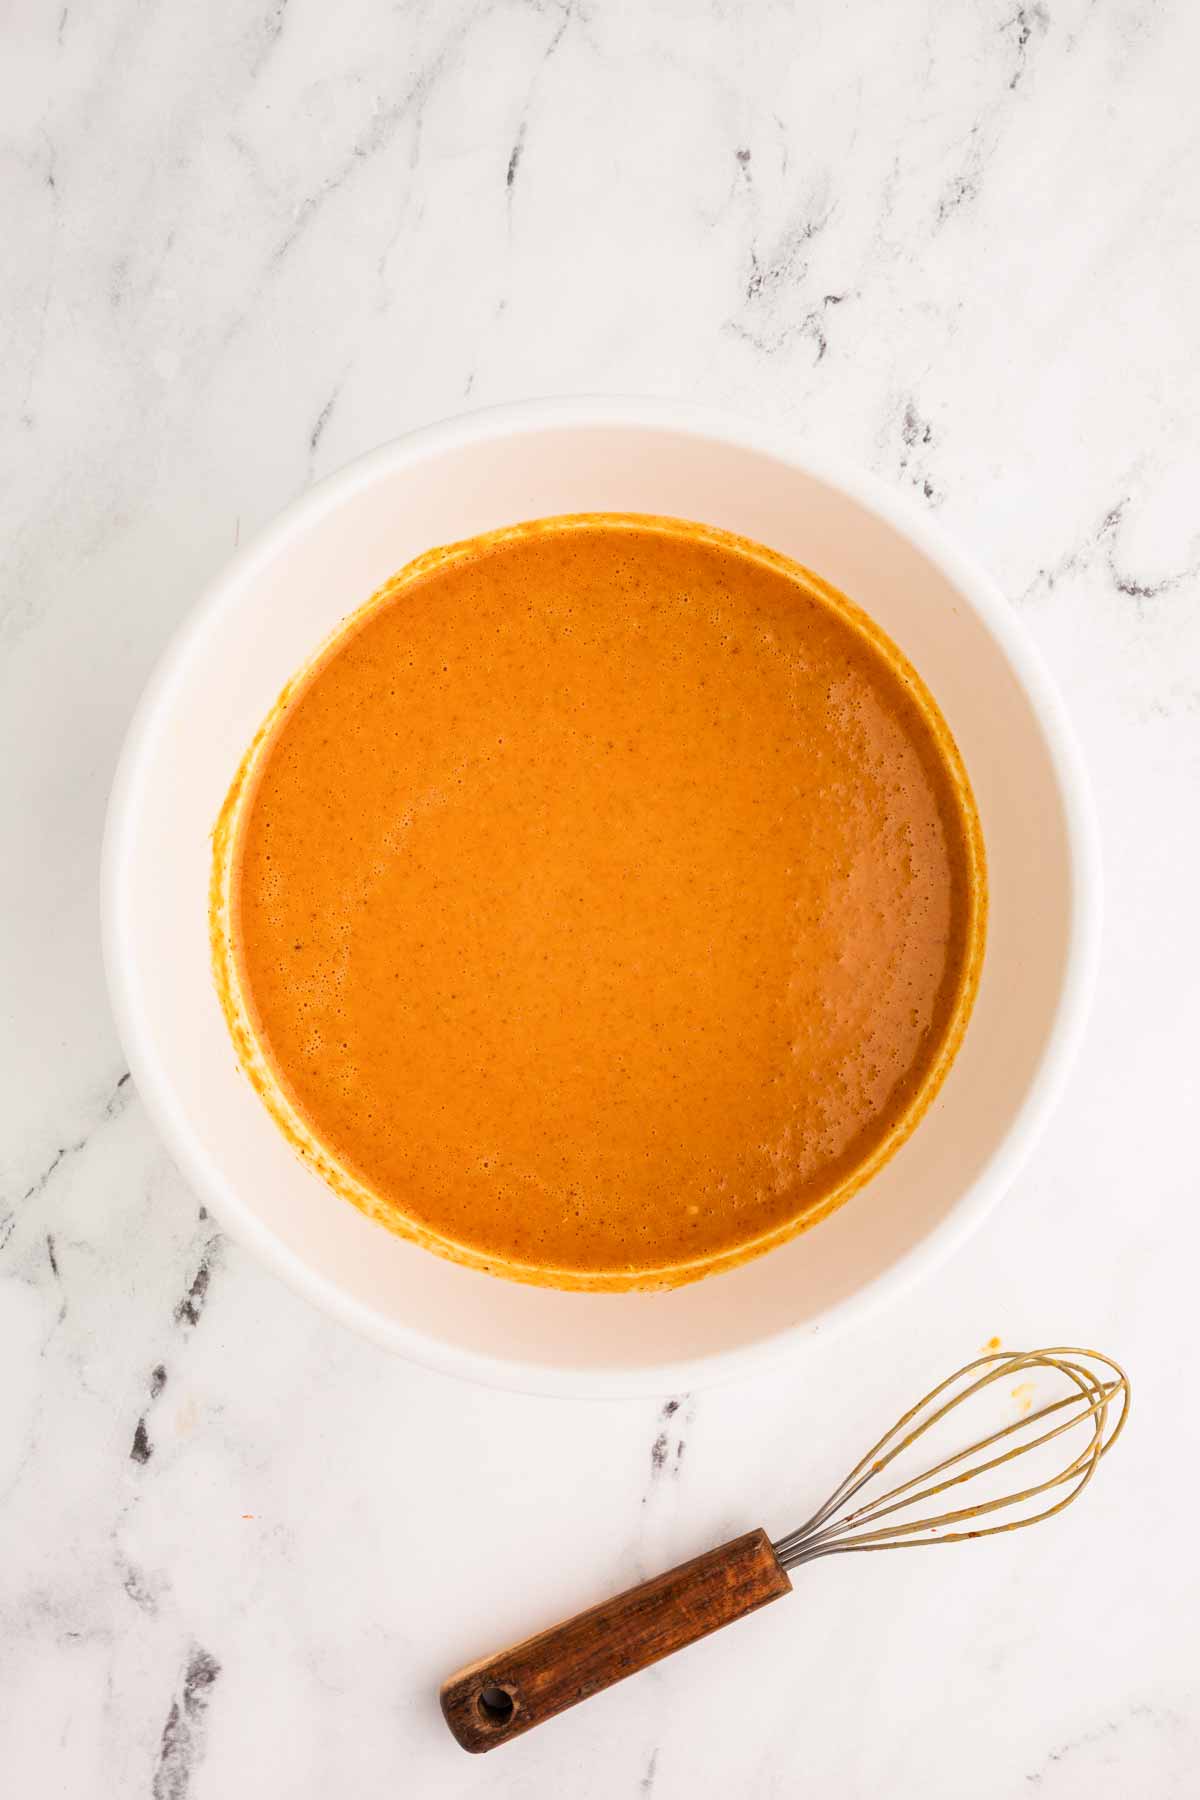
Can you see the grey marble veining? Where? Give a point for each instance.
(246, 242)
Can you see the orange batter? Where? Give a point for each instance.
(604, 904)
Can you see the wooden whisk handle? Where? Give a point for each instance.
(491, 1701)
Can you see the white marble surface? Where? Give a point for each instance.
(245, 242)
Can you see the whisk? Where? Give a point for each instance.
(491, 1701)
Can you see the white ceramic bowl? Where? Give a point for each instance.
(324, 556)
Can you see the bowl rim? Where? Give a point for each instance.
(875, 496)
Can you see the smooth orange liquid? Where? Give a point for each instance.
(606, 900)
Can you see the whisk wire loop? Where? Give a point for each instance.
(1099, 1403)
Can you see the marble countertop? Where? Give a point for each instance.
(245, 242)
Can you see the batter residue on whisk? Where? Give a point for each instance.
(604, 903)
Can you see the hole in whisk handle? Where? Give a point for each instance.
(495, 1705)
